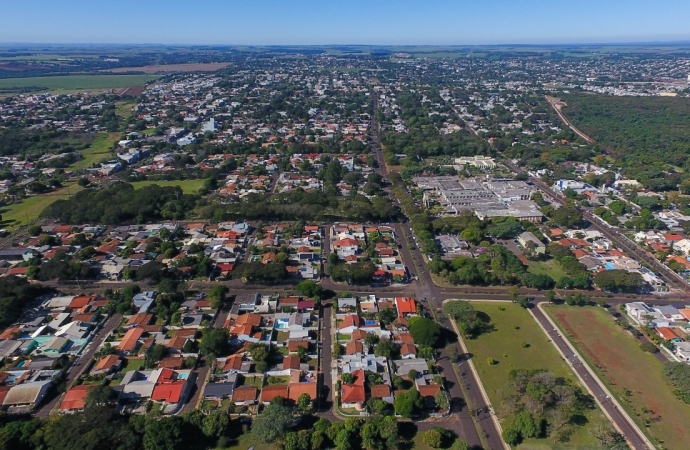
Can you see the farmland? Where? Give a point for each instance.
(71, 83)
(634, 377)
(514, 326)
(168, 68)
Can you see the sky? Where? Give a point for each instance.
(370, 22)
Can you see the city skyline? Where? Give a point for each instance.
(270, 22)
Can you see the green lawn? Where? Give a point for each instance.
(188, 186)
(513, 326)
(246, 441)
(72, 83)
(634, 377)
(21, 213)
(273, 380)
(132, 364)
(251, 381)
(550, 268)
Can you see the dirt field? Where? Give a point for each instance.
(134, 91)
(159, 68)
(633, 376)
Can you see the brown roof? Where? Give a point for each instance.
(405, 337)
(233, 362)
(107, 363)
(380, 391)
(408, 349)
(177, 342)
(358, 334)
(130, 340)
(75, 398)
(268, 393)
(353, 347)
(249, 319)
(139, 320)
(294, 345)
(297, 389)
(186, 332)
(244, 393)
(291, 362)
(429, 390)
(171, 362)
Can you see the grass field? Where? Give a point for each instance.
(99, 150)
(21, 213)
(550, 268)
(71, 83)
(633, 376)
(188, 186)
(513, 326)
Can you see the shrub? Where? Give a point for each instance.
(649, 347)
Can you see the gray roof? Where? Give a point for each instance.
(219, 390)
(26, 393)
(8, 347)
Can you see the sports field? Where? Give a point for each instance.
(188, 186)
(633, 376)
(71, 83)
(513, 327)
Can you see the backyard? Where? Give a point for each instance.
(634, 377)
(513, 327)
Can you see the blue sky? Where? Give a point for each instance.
(299, 22)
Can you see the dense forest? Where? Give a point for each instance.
(644, 134)
(120, 203)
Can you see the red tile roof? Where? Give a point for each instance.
(380, 391)
(130, 340)
(429, 390)
(350, 320)
(75, 398)
(291, 362)
(297, 389)
(244, 394)
(352, 394)
(107, 363)
(667, 333)
(168, 392)
(268, 393)
(405, 305)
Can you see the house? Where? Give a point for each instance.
(294, 345)
(268, 393)
(349, 303)
(403, 367)
(27, 394)
(110, 363)
(291, 362)
(295, 390)
(408, 351)
(428, 393)
(245, 395)
(668, 334)
(353, 395)
(383, 392)
(682, 351)
(528, 239)
(406, 306)
(168, 392)
(349, 324)
(130, 341)
(219, 391)
(354, 348)
(75, 398)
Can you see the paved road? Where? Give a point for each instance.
(202, 372)
(589, 378)
(81, 363)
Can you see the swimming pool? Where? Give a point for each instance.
(280, 325)
(21, 364)
(182, 376)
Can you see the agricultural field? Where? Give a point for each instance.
(188, 186)
(633, 376)
(168, 68)
(513, 327)
(71, 83)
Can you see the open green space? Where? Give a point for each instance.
(633, 376)
(21, 213)
(132, 364)
(99, 150)
(188, 186)
(513, 326)
(551, 268)
(248, 440)
(71, 83)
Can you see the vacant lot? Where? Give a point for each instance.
(550, 268)
(71, 83)
(28, 210)
(633, 376)
(513, 327)
(166, 68)
(98, 151)
(188, 186)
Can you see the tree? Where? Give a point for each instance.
(409, 403)
(35, 230)
(83, 182)
(164, 433)
(425, 331)
(550, 295)
(214, 342)
(158, 352)
(347, 378)
(385, 348)
(217, 296)
(514, 292)
(100, 395)
(309, 289)
(259, 352)
(619, 280)
(470, 323)
(215, 424)
(304, 403)
(388, 316)
(272, 423)
(432, 438)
